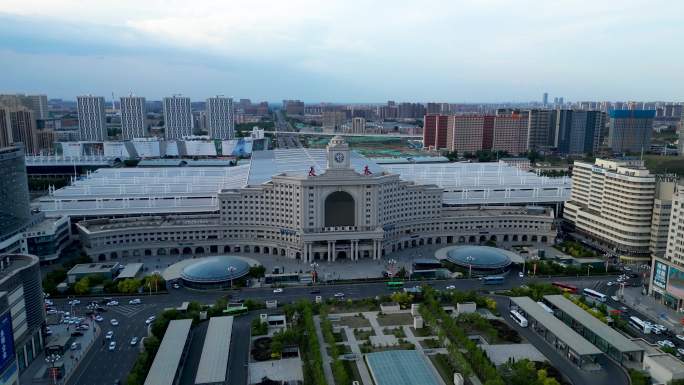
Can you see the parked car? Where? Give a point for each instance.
(75, 345)
(114, 322)
(112, 345)
(134, 341)
(99, 318)
(680, 337)
(176, 286)
(109, 335)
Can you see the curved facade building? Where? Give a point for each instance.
(481, 259)
(214, 272)
(350, 209)
(20, 278)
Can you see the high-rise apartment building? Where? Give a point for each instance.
(612, 205)
(177, 117)
(358, 125)
(24, 128)
(467, 133)
(630, 130)
(510, 133)
(221, 117)
(6, 138)
(92, 120)
(545, 99)
(667, 271)
(333, 120)
(540, 128)
(293, 107)
(39, 105)
(15, 214)
(435, 128)
(133, 117)
(666, 187)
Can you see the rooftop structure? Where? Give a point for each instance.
(131, 270)
(576, 344)
(401, 367)
(167, 361)
(608, 339)
(108, 270)
(480, 258)
(214, 271)
(213, 365)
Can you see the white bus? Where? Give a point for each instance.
(593, 294)
(546, 308)
(518, 318)
(639, 325)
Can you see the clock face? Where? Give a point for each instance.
(339, 157)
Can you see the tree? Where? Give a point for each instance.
(129, 285)
(402, 298)
(82, 286)
(257, 271)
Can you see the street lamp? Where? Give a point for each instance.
(470, 260)
(231, 270)
(589, 267)
(392, 263)
(51, 360)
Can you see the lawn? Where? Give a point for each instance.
(354, 322)
(431, 343)
(441, 363)
(363, 334)
(424, 332)
(395, 319)
(664, 164)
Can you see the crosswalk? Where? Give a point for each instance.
(129, 310)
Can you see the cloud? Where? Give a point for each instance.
(467, 50)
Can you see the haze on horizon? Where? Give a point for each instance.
(345, 51)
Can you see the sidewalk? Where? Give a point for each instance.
(360, 365)
(327, 369)
(652, 308)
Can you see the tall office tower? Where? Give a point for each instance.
(23, 126)
(510, 133)
(466, 133)
(92, 120)
(667, 274)
(221, 117)
(15, 212)
(358, 125)
(630, 130)
(435, 128)
(133, 117)
(540, 129)
(681, 141)
(39, 105)
(177, 117)
(577, 131)
(333, 120)
(612, 204)
(545, 99)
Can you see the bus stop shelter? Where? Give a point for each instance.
(568, 342)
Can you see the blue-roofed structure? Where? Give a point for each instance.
(634, 114)
(401, 367)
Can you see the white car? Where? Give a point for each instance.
(664, 343)
(150, 320)
(52, 311)
(680, 337)
(114, 322)
(109, 335)
(135, 301)
(48, 302)
(99, 318)
(680, 351)
(451, 287)
(176, 286)
(75, 345)
(74, 302)
(611, 283)
(134, 341)
(615, 298)
(112, 303)
(112, 345)
(521, 275)
(338, 295)
(277, 290)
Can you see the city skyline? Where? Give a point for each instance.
(480, 51)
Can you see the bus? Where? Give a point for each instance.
(497, 280)
(595, 295)
(519, 319)
(546, 308)
(639, 325)
(565, 287)
(236, 309)
(395, 284)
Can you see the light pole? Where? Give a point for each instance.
(392, 263)
(470, 260)
(589, 267)
(51, 360)
(231, 270)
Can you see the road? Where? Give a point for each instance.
(104, 366)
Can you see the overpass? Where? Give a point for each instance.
(342, 134)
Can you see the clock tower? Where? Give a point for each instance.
(339, 155)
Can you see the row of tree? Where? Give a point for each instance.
(338, 369)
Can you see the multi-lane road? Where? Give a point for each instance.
(102, 366)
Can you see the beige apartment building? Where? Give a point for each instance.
(611, 205)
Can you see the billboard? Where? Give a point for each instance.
(660, 275)
(675, 282)
(6, 341)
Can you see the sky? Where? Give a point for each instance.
(345, 51)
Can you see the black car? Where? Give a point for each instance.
(76, 333)
(315, 291)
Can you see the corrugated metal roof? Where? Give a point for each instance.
(213, 365)
(165, 365)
